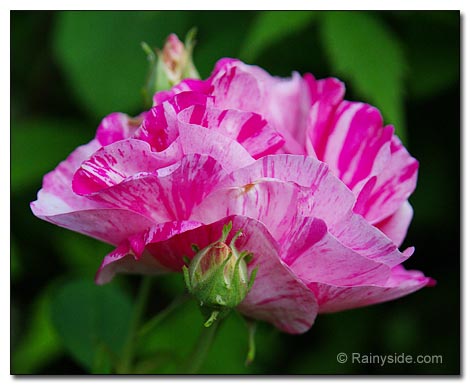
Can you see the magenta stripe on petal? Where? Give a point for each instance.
(314, 255)
(117, 126)
(112, 164)
(394, 185)
(165, 195)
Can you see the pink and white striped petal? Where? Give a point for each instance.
(304, 186)
(247, 128)
(269, 201)
(160, 127)
(169, 194)
(337, 298)
(158, 250)
(228, 153)
(326, 95)
(393, 187)
(117, 126)
(396, 226)
(118, 161)
(329, 90)
(314, 255)
(352, 141)
(58, 204)
(202, 87)
(284, 103)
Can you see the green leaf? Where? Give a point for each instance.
(37, 146)
(270, 27)
(90, 319)
(213, 37)
(175, 336)
(40, 344)
(166, 348)
(101, 55)
(368, 55)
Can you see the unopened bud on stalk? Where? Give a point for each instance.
(171, 65)
(218, 277)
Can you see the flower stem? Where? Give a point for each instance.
(127, 359)
(203, 345)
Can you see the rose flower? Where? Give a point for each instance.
(314, 187)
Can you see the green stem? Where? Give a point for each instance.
(127, 359)
(151, 324)
(199, 353)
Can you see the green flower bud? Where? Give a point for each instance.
(218, 276)
(170, 65)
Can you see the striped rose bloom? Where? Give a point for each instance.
(317, 185)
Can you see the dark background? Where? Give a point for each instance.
(70, 69)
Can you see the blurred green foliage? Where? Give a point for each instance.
(114, 53)
(271, 27)
(70, 69)
(364, 50)
(89, 318)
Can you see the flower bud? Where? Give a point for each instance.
(218, 277)
(170, 65)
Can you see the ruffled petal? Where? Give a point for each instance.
(247, 128)
(177, 126)
(58, 204)
(228, 153)
(56, 195)
(314, 255)
(304, 186)
(330, 90)
(284, 103)
(393, 186)
(168, 194)
(188, 85)
(401, 282)
(110, 225)
(158, 250)
(160, 127)
(270, 202)
(353, 142)
(396, 226)
(117, 126)
(118, 161)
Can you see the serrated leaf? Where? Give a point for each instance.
(90, 318)
(368, 55)
(270, 27)
(101, 55)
